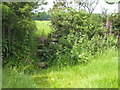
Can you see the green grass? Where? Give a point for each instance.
(100, 72)
(14, 79)
(43, 26)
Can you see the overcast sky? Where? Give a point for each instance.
(98, 9)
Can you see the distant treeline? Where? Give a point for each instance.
(41, 16)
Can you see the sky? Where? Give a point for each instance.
(110, 8)
(98, 9)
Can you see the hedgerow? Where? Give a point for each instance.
(78, 35)
(18, 33)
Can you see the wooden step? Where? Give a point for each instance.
(39, 50)
(37, 39)
(40, 44)
(54, 40)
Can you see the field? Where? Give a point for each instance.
(100, 72)
(43, 26)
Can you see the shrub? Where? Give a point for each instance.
(78, 37)
(18, 32)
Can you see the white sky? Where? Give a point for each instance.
(98, 9)
(110, 8)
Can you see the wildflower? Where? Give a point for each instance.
(107, 23)
(110, 30)
(117, 37)
(43, 38)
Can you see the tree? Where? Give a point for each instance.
(65, 2)
(57, 5)
(88, 5)
(17, 30)
(40, 6)
(41, 16)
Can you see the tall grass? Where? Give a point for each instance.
(14, 79)
(100, 72)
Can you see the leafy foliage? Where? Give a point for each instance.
(18, 28)
(115, 19)
(76, 37)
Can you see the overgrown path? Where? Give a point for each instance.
(100, 72)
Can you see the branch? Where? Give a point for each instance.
(95, 6)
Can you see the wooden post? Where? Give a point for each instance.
(119, 7)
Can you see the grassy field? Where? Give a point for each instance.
(43, 26)
(101, 72)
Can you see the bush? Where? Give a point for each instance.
(18, 33)
(115, 20)
(77, 38)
